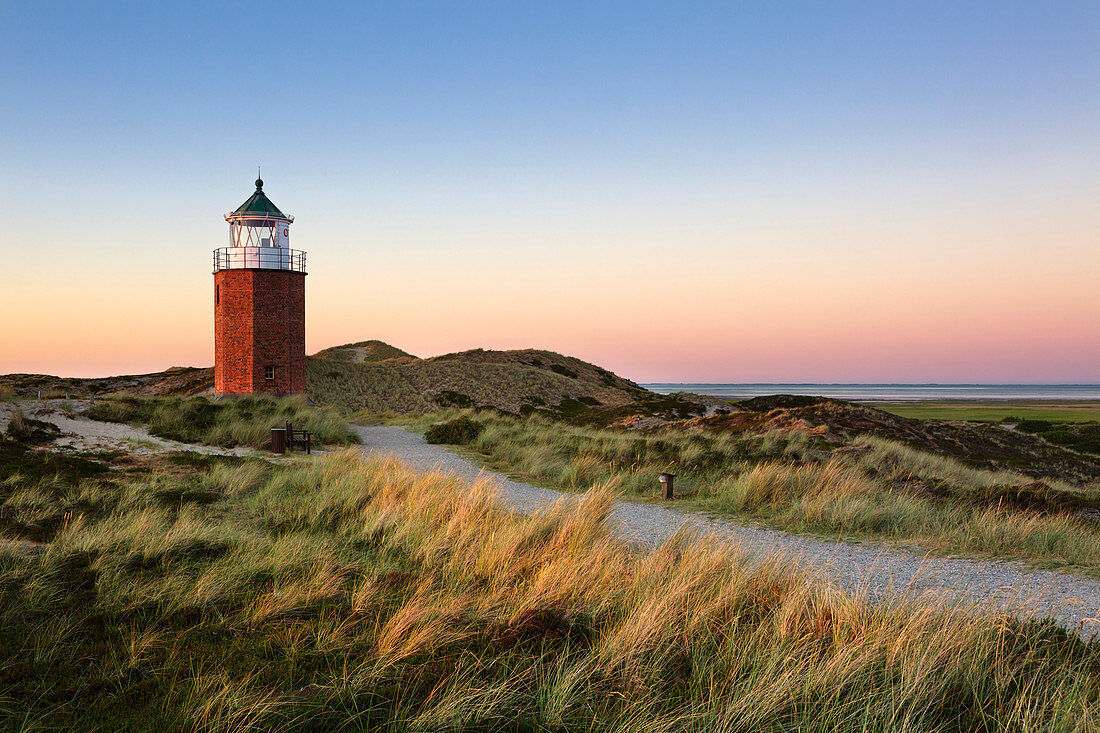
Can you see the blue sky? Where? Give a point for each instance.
(491, 88)
(455, 147)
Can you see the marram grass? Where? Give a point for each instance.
(352, 594)
(229, 421)
(871, 488)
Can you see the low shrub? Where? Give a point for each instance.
(1034, 426)
(459, 431)
(564, 371)
(1083, 437)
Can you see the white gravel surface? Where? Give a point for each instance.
(883, 571)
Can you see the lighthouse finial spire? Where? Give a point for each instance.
(259, 181)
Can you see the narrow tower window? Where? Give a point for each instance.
(217, 294)
(269, 372)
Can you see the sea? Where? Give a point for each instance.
(890, 392)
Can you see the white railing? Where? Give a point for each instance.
(259, 258)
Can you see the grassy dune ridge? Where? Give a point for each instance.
(357, 594)
(229, 421)
(423, 386)
(869, 487)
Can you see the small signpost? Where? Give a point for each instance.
(664, 484)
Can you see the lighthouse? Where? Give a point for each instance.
(259, 303)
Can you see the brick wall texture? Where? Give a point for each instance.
(259, 321)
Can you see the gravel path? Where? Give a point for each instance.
(84, 435)
(881, 570)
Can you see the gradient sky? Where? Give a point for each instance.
(732, 192)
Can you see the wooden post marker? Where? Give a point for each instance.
(664, 483)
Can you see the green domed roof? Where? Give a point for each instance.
(259, 203)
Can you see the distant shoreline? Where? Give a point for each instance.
(879, 393)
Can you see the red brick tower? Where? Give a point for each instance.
(259, 303)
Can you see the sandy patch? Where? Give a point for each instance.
(84, 435)
(7, 409)
(22, 547)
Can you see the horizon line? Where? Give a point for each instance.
(879, 384)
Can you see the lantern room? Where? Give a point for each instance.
(259, 237)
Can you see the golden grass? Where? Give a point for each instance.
(871, 487)
(353, 593)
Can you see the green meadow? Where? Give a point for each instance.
(996, 411)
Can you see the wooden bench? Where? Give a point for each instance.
(302, 438)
